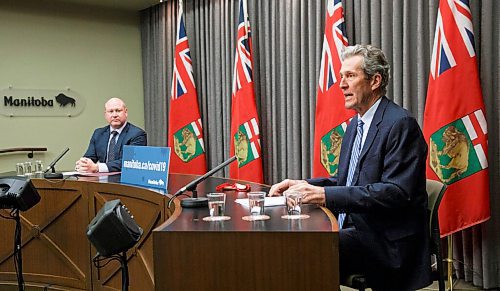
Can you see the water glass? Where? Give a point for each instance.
(38, 166)
(293, 202)
(256, 202)
(293, 205)
(20, 169)
(38, 169)
(28, 170)
(216, 207)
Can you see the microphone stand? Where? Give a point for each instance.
(53, 174)
(195, 201)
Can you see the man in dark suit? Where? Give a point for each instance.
(379, 193)
(104, 153)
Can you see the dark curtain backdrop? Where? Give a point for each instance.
(287, 41)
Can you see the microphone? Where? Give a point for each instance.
(194, 201)
(53, 174)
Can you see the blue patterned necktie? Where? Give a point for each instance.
(356, 151)
(111, 147)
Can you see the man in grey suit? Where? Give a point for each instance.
(379, 193)
(104, 153)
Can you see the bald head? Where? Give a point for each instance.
(115, 112)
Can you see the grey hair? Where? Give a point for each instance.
(374, 61)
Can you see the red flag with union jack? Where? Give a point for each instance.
(185, 134)
(245, 133)
(454, 121)
(331, 116)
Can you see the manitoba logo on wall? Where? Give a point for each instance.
(40, 102)
(247, 142)
(457, 150)
(188, 142)
(330, 148)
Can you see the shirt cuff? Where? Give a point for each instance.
(103, 168)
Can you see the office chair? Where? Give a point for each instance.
(435, 191)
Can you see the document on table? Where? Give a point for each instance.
(268, 201)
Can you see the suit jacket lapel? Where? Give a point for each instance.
(370, 137)
(103, 148)
(373, 130)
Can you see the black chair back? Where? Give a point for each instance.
(435, 192)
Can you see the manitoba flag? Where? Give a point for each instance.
(331, 115)
(455, 126)
(245, 134)
(185, 134)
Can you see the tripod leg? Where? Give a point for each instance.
(124, 267)
(18, 257)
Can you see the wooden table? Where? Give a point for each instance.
(178, 250)
(276, 254)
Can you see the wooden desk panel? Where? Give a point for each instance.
(56, 251)
(55, 248)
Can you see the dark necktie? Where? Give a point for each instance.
(112, 144)
(356, 151)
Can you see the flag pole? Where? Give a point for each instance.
(449, 260)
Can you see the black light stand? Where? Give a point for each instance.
(124, 267)
(122, 258)
(17, 194)
(18, 257)
(17, 252)
(112, 232)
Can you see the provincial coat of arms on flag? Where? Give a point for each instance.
(244, 139)
(188, 142)
(185, 131)
(454, 124)
(247, 142)
(331, 115)
(330, 148)
(456, 149)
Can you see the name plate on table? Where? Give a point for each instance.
(145, 166)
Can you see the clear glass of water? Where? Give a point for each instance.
(28, 170)
(293, 205)
(38, 169)
(20, 169)
(216, 207)
(256, 203)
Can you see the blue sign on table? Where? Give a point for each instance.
(145, 166)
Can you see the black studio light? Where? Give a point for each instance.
(17, 193)
(112, 232)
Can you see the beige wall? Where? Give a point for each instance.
(94, 51)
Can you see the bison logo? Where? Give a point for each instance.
(64, 100)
